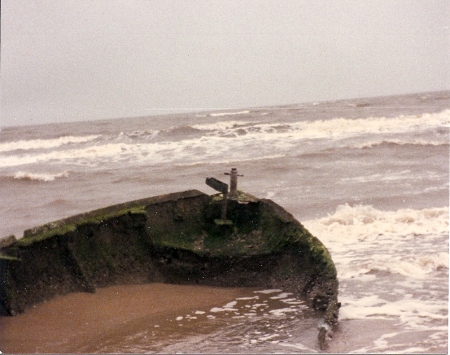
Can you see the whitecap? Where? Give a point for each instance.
(222, 126)
(46, 177)
(220, 114)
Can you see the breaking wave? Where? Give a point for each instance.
(386, 240)
(220, 114)
(350, 224)
(44, 143)
(338, 127)
(236, 140)
(46, 177)
(407, 248)
(394, 142)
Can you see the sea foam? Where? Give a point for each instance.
(350, 224)
(235, 140)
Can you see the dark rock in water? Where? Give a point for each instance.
(172, 238)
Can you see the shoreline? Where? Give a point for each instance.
(69, 323)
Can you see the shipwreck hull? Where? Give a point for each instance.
(172, 238)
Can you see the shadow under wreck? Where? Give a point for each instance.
(175, 238)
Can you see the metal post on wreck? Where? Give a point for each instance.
(233, 182)
(223, 188)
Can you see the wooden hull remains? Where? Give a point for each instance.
(172, 238)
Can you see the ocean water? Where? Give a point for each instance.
(369, 177)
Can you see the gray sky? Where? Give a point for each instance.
(92, 59)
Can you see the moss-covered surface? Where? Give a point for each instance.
(170, 238)
(62, 228)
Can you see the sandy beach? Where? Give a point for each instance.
(68, 324)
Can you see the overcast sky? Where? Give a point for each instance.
(67, 60)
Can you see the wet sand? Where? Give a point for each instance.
(68, 323)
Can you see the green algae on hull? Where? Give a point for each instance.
(170, 238)
(62, 227)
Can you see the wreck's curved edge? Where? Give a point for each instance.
(171, 238)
